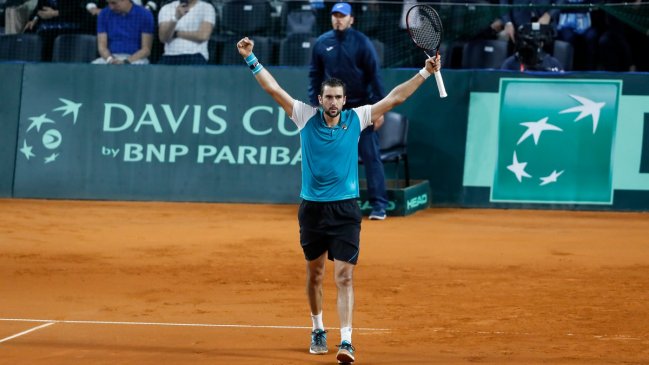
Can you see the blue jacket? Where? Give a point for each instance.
(349, 56)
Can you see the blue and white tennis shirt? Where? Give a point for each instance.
(329, 155)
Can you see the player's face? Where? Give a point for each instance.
(341, 22)
(332, 100)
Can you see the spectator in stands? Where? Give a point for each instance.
(529, 55)
(511, 20)
(618, 46)
(347, 54)
(185, 27)
(17, 14)
(575, 27)
(124, 33)
(52, 18)
(94, 7)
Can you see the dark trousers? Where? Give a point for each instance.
(368, 150)
(585, 47)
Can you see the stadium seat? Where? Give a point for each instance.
(75, 48)
(368, 19)
(213, 51)
(298, 17)
(380, 51)
(393, 142)
(484, 54)
(230, 56)
(300, 21)
(564, 53)
(21, 47)
(246, 17)
(296, 49)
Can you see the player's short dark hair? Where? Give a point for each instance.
(333, 82)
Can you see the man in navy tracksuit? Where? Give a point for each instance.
(347, 54)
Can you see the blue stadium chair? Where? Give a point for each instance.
(484, 54)
(300, 21)
(21, 47)
(393, 142)
(564, 53)
(230, 56)
(80, 48)
(246, 17)
(296, 50)
(368, 19)
(379, 47)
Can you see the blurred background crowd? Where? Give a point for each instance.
(579, 35)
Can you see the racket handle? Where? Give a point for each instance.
(440, 84)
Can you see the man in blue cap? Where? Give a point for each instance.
(349, 55)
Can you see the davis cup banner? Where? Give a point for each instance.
(155, 133)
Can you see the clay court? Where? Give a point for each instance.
(86, 282)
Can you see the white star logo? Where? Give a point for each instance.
(587, 107)
(535, 129)
(518, 168)
(552, 178)
(69, 107)
(38, 122)
(51, 158)
(27, 150)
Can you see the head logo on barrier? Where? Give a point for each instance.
(47, 146)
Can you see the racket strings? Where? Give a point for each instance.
(425, 27)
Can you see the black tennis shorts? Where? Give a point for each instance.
(333, 227)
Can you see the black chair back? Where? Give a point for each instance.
(484, 54)
(296, 50)
(246, 17)
(564, 53)
(393, 142)
(263, 50)
(21, 47)
(75, 48)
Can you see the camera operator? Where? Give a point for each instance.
(530, 54)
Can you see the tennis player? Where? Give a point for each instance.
(329, 215)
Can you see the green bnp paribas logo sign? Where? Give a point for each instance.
(42, 140)
(555, 141)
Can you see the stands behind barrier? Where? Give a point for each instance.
(75, 48)
(484, 54)
(21, 47)
(296, 49)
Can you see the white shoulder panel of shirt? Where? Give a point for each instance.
(302, 113)
(364, 115)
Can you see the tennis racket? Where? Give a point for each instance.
(425, 29)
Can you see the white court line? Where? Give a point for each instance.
(52, 321)
(47, 324)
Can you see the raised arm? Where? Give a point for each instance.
(264, 78)
(403, 91)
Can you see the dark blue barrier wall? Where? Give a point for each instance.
(11, 76)
(211, 134)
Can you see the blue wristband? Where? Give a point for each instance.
(251, 59)
(257, 67)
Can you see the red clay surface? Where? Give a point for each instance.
(443, 286)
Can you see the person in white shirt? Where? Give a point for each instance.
(185, 28)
